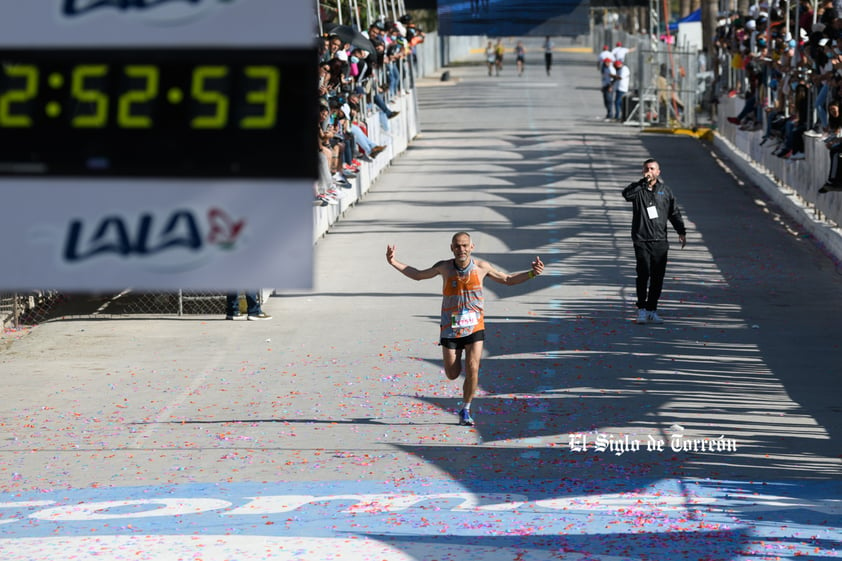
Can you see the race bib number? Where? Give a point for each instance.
(652, 211)
(464, 319)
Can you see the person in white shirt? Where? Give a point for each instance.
(622, 77)
(548, 54)
(620, 52)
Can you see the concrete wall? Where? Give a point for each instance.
(402, 129)
(438, 52)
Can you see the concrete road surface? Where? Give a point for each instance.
(330, 432)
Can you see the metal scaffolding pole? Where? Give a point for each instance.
(647, 92)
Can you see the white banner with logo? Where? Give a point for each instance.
(160, 234)
(142, 23)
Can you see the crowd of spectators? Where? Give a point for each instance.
(356, 84)
(786, 62)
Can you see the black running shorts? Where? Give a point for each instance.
(460, 342)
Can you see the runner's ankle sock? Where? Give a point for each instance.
(467, 407)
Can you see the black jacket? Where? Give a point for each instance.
(645, 229)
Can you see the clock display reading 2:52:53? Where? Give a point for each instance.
(236, 112)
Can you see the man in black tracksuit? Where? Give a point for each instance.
(653, 204)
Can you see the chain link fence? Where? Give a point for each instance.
(18, 309)
(32, 308)
(667, 88)
(669, 84)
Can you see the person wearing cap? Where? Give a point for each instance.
(622, 77)
(620, 52)
(607, 87)
(751, 31)
(604, 59)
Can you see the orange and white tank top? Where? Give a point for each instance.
(462, 301)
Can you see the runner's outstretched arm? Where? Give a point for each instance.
(408, 270)
(515, 278)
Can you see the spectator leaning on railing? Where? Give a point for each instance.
(352, 83)
(789, 74)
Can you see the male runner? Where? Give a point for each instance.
(462, 313)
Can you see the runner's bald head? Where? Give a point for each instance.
(458, 235)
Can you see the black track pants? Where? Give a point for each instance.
(651, 268)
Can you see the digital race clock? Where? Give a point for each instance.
(177, 112)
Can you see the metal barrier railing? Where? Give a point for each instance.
(667, 84)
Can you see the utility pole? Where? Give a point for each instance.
(710, 14)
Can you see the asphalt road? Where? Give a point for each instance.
(330, 432)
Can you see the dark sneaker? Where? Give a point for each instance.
(465, 418)
(235, 317)
(260, 316)
(829, 186)
(393, 114)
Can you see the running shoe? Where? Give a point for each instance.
(465, 418)
(261, 316)
(653, 317)
(327, 198)
(642, 316)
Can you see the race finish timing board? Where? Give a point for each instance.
(157, 144)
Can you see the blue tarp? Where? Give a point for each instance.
(693, 16)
